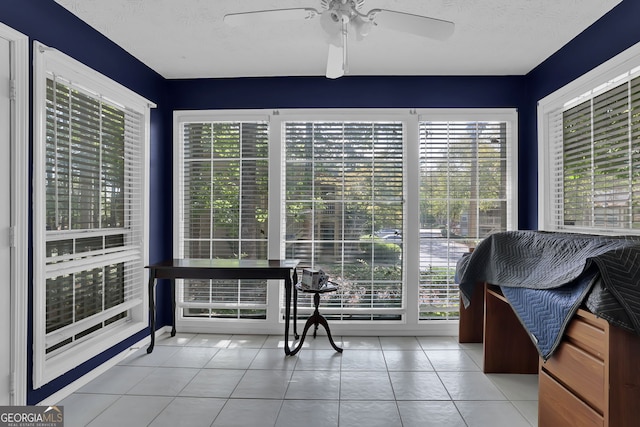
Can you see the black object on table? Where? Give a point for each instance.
(221, 269)
(316, 318)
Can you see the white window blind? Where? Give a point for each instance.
(223, 199)
(463, 199)
(595, 142)
(344, 190)
(89, 226)
(94, 209)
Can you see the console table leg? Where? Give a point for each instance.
(295, 313)
(287, 314)
(152, 312)
(173, 307)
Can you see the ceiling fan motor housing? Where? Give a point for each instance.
(340, 10)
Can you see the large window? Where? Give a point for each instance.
(465, 196)
(383, 201)
(590, 137)
(343, 195)
(601, 160)
(89, 216)
(223, 180)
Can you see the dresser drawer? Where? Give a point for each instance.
(579, 372)
(588, 332)
(557, 406)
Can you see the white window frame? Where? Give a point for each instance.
(508, 116)
(350, 115)
(19, 45)
(596, 81)
(237, 325)
(410, 325)
(47, 60)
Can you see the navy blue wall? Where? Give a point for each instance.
(47, 22)
(347, 92)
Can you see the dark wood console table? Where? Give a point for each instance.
(284, 270)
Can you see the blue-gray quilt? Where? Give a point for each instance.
(547, 276)
(545, 313)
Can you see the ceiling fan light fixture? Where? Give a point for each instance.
(331, 27)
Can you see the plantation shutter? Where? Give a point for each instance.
(223, 199)
(463, 199)
(597, 158)
(94, 212)
(343, 193)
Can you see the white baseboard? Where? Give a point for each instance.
(95, 373)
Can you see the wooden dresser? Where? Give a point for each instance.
(592, 379)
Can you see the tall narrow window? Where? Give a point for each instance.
(343, 200)
(89, 217)
(463, 199)
(589, 151)
(601, 161)
(93, 222)
(223, 199)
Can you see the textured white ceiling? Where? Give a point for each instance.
(187, 38)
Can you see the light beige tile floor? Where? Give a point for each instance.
(246, 380)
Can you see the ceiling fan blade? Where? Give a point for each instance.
(413, 24)
(262, 16)
(335, 64)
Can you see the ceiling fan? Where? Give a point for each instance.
(338, 17)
